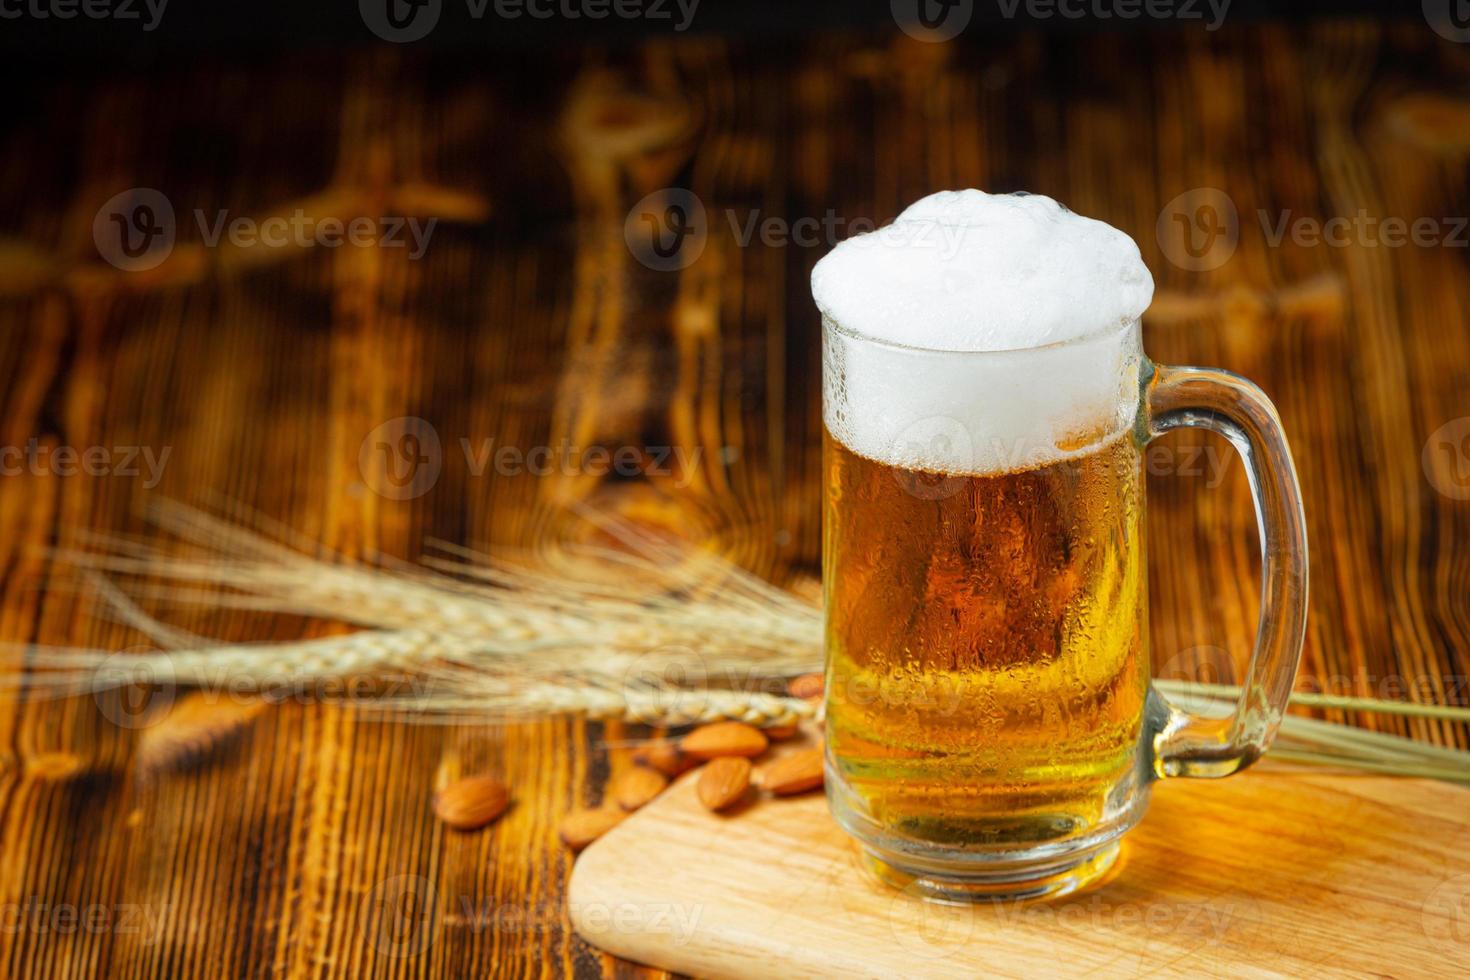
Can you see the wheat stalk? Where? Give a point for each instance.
(656, 631)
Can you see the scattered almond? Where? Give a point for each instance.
(636, 786)
(723, 782)
(664, 757)
(582, 827)
(471, 802)
(779, 733)
(195, 727)
(807, 686)
(724, 738)
(794, 773)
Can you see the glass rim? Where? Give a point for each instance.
(1093, 335)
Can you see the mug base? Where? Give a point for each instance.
(1024, 881)
(1022, 870)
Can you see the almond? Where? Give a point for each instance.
(723, 782)
(794, 773)
(582, 827)
(807, 686)
(471, 802)
(663, 757)
(636, 786)
(723, 738)
(779, 733)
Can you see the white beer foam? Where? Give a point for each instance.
(966, 271)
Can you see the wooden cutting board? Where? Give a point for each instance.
(1275, 872)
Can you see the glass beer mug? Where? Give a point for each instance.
(991, 727)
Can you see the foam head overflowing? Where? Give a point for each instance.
(966, 271)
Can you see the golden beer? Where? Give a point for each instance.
(986, 641)
(991, 726)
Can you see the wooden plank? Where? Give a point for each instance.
(1271, 874)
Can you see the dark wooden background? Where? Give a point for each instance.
(297, 844)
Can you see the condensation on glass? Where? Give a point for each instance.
(991, 727)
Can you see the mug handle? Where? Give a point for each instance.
(1187, 744)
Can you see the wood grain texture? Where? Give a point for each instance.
(1273, 874)
(303, 843)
